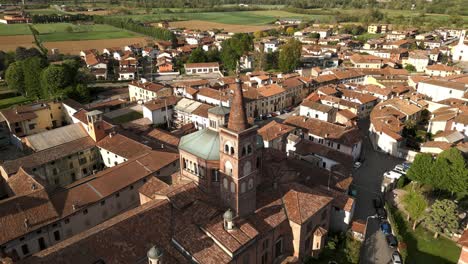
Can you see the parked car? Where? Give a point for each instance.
(269, 116)
(357, 165)
(381, 213)
(391, 241)
(377, 203)
(396, 258)
(392, 174)
(386, 228)
(400, 169)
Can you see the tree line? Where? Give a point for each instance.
(31, 75)
(129, 24)
(54, 18)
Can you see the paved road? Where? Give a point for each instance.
(367, 182)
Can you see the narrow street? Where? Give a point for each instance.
(367, 182)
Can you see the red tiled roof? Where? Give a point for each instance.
(274, 130)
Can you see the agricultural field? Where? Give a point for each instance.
(206, 25)
(254, 18)
(67, 31)
(10, 43)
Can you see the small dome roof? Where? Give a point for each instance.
(154, 253)
(228, 215)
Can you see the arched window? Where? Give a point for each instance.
(243, 187)
(250, 185)
(228, 148)
(233, 187)
(249, 149)
(225, 183)
(247, 168)
(228, 168)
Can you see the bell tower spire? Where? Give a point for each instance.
(238, 117)
(238, 158)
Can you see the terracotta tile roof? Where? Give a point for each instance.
(317, 106)
(202, 110)
(122, 146)
(292, 83)
(109, 181)
(136, 230)
(25, 213)
(307, 147)
(154, 87)
(18, 114)
(348, 114)
(441, 67)
(358, 58)
(462, 119)
(302, 202)
(274, 130)
(447, 84)
(23, 183)
(233, 240)
(213, 93)
(270, 211)
(201, 65)
(327, 90)
(152, 186)
(73, 104)
(359, 226)
(39, 158)
(164, 137)
(161, 102)
(337, 133)
(270, 90)
(436, 144)
(201, 247)
(463, 240)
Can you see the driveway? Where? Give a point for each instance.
(367, 182)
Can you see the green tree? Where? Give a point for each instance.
(53, 80)
(32, 68)
(69, 29)
(258, 34)
(290, 56)
(421, 169)
(197, 55)
(14, 77)
(415, 204)
(442, 217)
(260, 60)
(315, 35)
(290, 31)
(452, 172)
(212, 55)
(410, 68)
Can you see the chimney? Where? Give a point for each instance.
(26, 223)
(228, 217)
(74, 207)
(33, 186)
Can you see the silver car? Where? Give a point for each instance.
(396, 258)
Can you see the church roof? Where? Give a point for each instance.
(203, 144)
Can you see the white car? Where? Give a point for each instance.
(399, 168)
(357, 165)
(392, 174)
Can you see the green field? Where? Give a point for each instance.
(5, 103)
(422, 248)
(130, 116)
(58, 31)
(237, 18)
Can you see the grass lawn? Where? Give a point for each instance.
(237, 18)
(422, 248)
(48, 11)
(57, 31)
(127, 117)
(5, 103)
